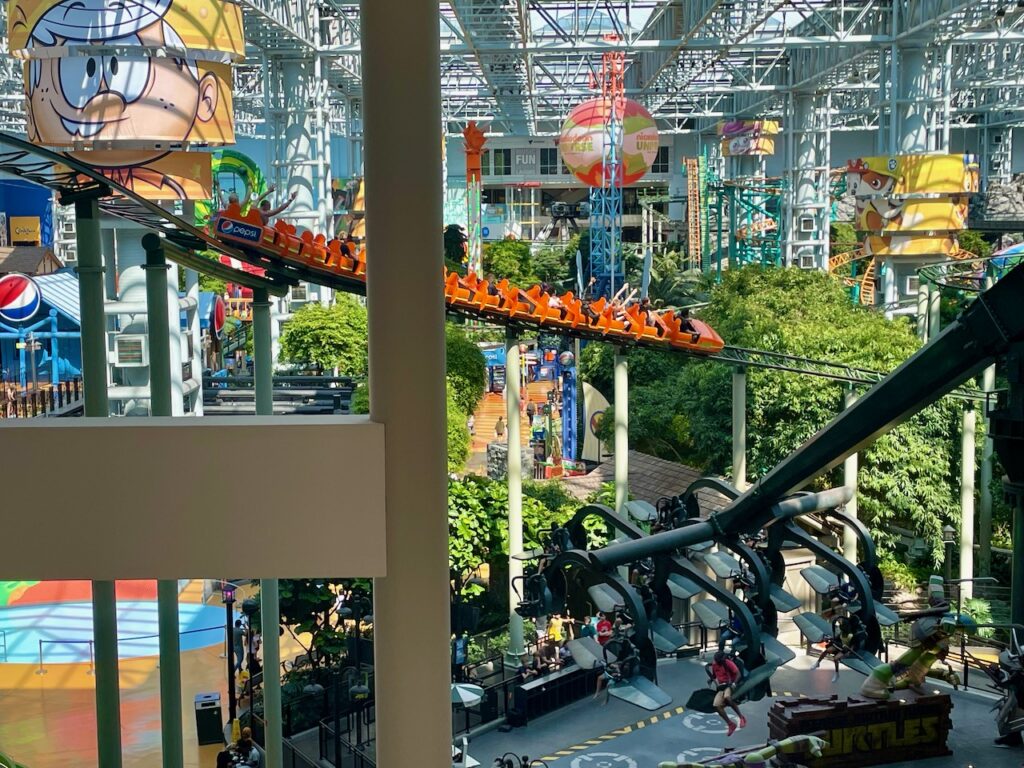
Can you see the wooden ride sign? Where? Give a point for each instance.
(863, 732)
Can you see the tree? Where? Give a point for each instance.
(455, 247)
(510, 259)
(551, 265)
(308, 608)
(680, 409)
(328, 337)
(214, 284)
(466, 368)
(842, 237)
(974, 242)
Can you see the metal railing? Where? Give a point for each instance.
(63, 400)
(41, 669)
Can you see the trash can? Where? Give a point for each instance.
(209, 719)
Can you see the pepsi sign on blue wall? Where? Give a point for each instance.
(20, 298)
(239, 230)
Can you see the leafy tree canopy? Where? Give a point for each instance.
(680, 409)
(328, 337)
(466, 367)
(510, 259)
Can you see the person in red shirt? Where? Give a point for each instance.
(726, 675)
(604, 629)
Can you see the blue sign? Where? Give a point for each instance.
(485, 232)
(238, 230)
(20, 298)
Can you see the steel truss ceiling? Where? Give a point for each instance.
(520, 65)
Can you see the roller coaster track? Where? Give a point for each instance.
(72, 179)
(969, 273)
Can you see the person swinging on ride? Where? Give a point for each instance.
(726, 674)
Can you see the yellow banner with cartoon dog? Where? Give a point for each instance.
(912, 175)
(944, 246)
(891, 215)
(206, 29)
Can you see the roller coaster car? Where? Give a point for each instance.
(535, 600)
(1008, 678)
(622, 660)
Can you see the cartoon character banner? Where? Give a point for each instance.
(742, 138)
(122, 102)
(933, 246)
(913, 175)
(156, 175)
(205, 29)
(887, 215)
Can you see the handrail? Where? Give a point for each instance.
(41, 670)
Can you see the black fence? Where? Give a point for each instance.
(346, 747)
(63, 400)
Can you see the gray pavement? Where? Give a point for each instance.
(618, 735)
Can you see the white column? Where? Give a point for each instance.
(985, 492)
(810, 183)
(270, 610)
(621, 432)
(914, 95)
(850, 481)
(403, 201)
(192, 291)
(922, 310)
(513, 416)
(967, 468)
(934, 311)
(739, 428)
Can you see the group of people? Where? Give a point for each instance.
(266, 209)
(242, 754)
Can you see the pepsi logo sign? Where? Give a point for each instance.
(20, 298)
(240, 231)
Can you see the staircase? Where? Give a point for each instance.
(493, 406)
(693, 229)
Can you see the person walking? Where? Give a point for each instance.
(471, 424)
(238, 641)
(499, 428)
(726, 674)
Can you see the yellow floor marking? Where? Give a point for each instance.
(679, 710)
(641, 724)
(653, 719)
(594, 741)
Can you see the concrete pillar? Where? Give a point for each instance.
(850, 481)
(988, 383)
(403, 201)
(921, 317)
(94, 373)
(192, 291)
(270, 605)
(967, 468)
(915, 77)
(513, 405)
(621, 432)
(739, 428)
(934, 311)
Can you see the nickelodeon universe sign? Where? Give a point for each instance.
(239, 231)
(647, 142)
(880, 737)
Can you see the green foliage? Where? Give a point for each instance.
(509, 259)
(897, 570)
(672, 286)
(973, 241)
(328, 337)
(466, 368)
(551, 265)
(980, 610)
(455, 244)
(360, 399)
(680, 409)
(843, 237)
(210, 283)
(457, 431)
(307, 607)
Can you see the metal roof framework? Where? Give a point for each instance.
(519, 66)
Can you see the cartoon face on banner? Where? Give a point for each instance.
(748, 137)
(80, 99)
(157, 176)
(912, 175)
(582, 142)
(911, 245)
(882, 214)
(208, 29)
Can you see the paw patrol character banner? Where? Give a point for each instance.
(912, 245)
(909, 175)
(893, 214)
(134, 82)
(748, 137)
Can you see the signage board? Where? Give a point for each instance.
(26, 230)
